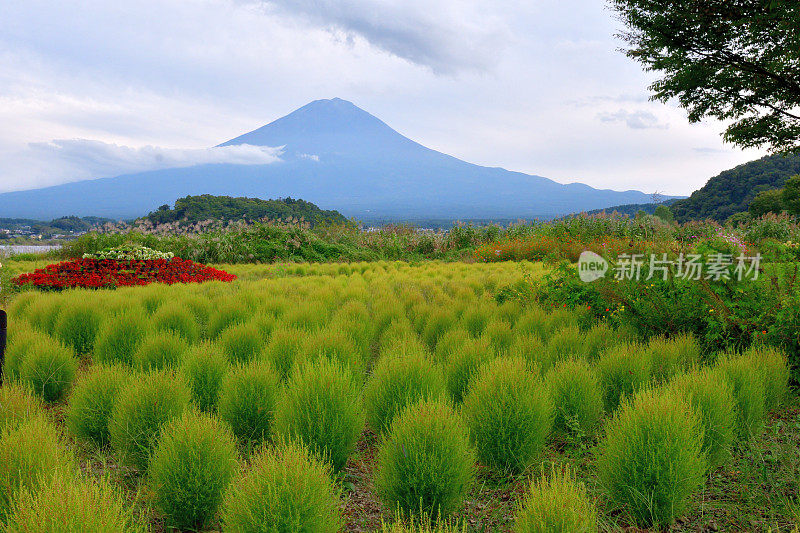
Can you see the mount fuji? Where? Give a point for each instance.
(337, 156)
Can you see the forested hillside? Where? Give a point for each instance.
(732, 191)
(193, 209)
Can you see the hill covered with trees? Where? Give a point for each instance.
(732, 190)
(192, 209)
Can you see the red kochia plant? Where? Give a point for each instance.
(105, 273)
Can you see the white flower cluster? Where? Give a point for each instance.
(130, 253)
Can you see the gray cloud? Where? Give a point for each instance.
(63, 160)
(447, 36)
(636, 120)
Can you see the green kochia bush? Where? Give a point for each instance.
(286, 489)
(204, 368)
(160, 350)
(224, 317)
(397, 381)
(623, 369)
(92, 402)
(334, 344)
(143, 407)
(774, 369)
(671, 356)
(119, 338)
(577, 398)
(711, 397)
(247, 400)
(241, 342)
(17, 405)
(509, 414)
(321, 406)
(174, 318)
(426, 463)
(462, 365)
(66, 504)
(283, 349)
(191, 466)
(77, 326)
(28, 455)
(557, 504)
(749, 389)
(48, 369)
(651, 459)
(20, 340)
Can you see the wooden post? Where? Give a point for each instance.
(3, 329)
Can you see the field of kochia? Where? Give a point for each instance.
(382, 396)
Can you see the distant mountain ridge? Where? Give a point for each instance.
(731, 191)
(337, 156)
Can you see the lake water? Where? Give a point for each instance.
(6, 249)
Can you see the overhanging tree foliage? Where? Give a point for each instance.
(734, 60)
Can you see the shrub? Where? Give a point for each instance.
(566, 343)
(20, 340)
(143, 406)
(462, 365)
(77, 326)
(500, 335)
(577, 397)
(774, 369)
(426, 463)
(241, 342)
(531, 348)
(558, 503)
(92, 402)
(28, 455)
(247, 400)
(651, 458)
(335, 345)
(120, 337)
(191, 467)
(476, 319)
(437, 324)
(225, 316)
(622, 369)
(744, 375)
(48, 369)
(17, 405)
(712, 399)
(286, 489)
(320, 405)
(43, 313)
(204, 368)
(671, 356)
(397, 381)
(509, 414)
(68, 504)
(283, 350)
(175, 318)
(160, 350)
(449, 342)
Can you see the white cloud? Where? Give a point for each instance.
(62, 160)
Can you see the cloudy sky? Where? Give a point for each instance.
(92, 88)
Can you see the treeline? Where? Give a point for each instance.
(192, 209)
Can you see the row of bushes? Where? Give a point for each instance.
(267, 243)
(507, 413)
